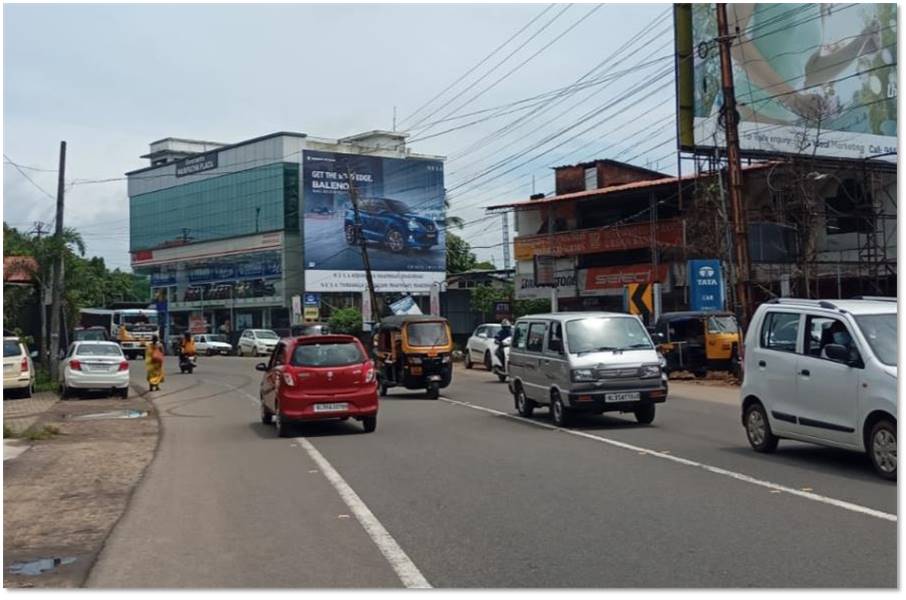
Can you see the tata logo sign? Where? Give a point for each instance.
(706, 276)
(706, 286)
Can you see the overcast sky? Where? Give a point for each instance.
(109, 79)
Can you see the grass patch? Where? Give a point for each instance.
(43, 382)
(8, 433)
(40, 433)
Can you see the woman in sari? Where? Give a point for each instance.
(154, 365)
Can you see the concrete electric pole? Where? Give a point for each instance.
(57, 280)
(354, 198)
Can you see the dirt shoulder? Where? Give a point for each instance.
(63, 497)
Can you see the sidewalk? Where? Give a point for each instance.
(21, 413)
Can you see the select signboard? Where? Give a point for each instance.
(596, 279)
(400, 218)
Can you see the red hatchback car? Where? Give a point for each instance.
(318, 377)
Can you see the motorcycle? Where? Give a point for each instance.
(499, 363)
(187, 363)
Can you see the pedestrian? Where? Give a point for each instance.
(154, 364)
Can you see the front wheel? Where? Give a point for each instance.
(524, 406)
(351, 238)
(758, 429)
(395, 241)
(487, 360)
(267, 417)
(434, 391)
(559, 413)
(369, 424)
(467, 360)
(645, 414)
(882, 448)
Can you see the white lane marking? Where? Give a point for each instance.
(857, 508)
(398, 559)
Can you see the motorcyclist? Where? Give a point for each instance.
(186, 347)
(506, 331)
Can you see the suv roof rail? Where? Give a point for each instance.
(877, 298)
(804, 301)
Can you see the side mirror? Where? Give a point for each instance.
(261, 367)
(840, 353)
(33, 354)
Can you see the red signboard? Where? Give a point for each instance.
(602, 239)
(142, 255)
(602, 278)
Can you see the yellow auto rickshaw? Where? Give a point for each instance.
(699, 341)
(415, 352)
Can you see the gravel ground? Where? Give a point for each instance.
(63, 497)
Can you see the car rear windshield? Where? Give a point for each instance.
(11, 348)
(427, 334)
(606, 333)
(881, 333)
(336, 354)
(98, 350)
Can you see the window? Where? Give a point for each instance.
(99, 350)
(479, 331)
(823, 331)
(11, 348)
(276, 357)
(780, 331)
(519, 335)
(591, 334)
(427, 334)
(342, 354)
(535, 341)
(591, 178)
(555, 339)
(881, 333)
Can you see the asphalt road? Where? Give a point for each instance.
(459, 492)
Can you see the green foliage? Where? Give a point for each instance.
(484, 297)
(346, 320)
(531, 307)
(459, 255)
(40, 433)
(485, 265)
(43, 382)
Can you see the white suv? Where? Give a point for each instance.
(824, 371)
(257, 342)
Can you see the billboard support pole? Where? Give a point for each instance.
(369, 281)
(743, 285)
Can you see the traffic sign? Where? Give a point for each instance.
(312, 299)
(640, 300)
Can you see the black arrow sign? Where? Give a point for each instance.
(638, 300)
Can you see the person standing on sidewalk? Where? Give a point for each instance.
(154, 364)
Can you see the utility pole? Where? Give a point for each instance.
(354, 198)
(740, 224)
(57, 280)
(506, 240)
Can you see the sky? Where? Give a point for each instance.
(110, 79)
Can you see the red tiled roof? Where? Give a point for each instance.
(19, 269)
(636, 185)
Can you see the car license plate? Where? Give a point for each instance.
(622, 397)
(331, 407)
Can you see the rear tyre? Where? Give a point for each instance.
(280, 424)
(27, 392)
(239, 351)
(369, 424)
(267, 417)
(433, 391)
(882, 448)
(467, 360)
(524, 406)
(645, 414)
(123, 393)
(758, 429)
(559, 413)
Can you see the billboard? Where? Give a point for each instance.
(706, 285)
(815, 79)
(400, 217)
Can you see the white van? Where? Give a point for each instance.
(823, 371)
(591, 362)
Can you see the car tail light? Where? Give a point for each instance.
(288, 379)
(75, 365)
(23, 366)
(369, 373)
(124, 366)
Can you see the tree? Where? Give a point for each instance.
(346, 320)
(459, 255)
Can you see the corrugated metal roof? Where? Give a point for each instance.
(614, 189)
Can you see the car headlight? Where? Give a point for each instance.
(650, 371)
(413, 225)
(661, 360)
(583, 375)
(445, 358)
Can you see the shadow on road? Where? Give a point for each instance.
(312, 429)
(831, 461)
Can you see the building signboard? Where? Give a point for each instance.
(602, 239)
(196, 164)
(706, 285)
(595, 279)
(400, 215)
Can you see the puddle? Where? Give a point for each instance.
(113, 414)
(42, 565)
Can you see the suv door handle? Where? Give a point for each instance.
(762, 363)
(805, 372)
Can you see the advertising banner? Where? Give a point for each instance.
(706, 285)
(400, 217)
(595, 279)
(545, 270)
(405, 306)
(816, 79)
(602, 239)
(564, 280)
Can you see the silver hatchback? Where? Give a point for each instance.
(585, 362)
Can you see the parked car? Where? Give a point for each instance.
(212, 343)
(823, 371)
(92, 365)
(255, 342)
(391, 223)
(318, 377)
(94, 333)
(480, 346)
(591, 362)
(18, 369)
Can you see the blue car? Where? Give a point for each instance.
(391, 223)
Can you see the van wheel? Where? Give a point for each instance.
(882, 448)
(559, 413)
(524, 406)
(267, 417)
(758, 429)
(369, 424)
(467, 359)
(645, 414)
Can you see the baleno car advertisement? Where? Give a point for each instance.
(400, 218)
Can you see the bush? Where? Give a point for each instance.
(346, 320)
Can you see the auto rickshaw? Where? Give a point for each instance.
(415, 352)
(699, 341)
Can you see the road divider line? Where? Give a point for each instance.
(395, 555)
(856, 508)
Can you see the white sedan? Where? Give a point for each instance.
(481, 346)
(212, 343)
(94, 366)
(257, 342)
